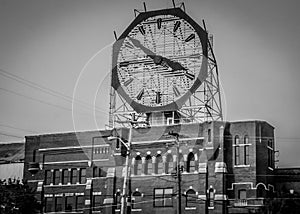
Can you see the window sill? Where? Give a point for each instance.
(190, 208)
(241, 166)
(63, 185)
(136, 210)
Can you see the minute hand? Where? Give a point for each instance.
(138, 44)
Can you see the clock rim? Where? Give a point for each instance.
(177, 104)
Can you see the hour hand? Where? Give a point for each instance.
(175, 66)
(138, 44)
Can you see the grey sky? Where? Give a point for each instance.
(49, 42)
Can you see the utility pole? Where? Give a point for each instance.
(127, 173)
(176, 135)
(126, 204)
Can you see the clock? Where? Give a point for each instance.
(160, 60)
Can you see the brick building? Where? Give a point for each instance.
(232, 162)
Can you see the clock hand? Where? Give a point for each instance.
(174, 65)
(138, 44)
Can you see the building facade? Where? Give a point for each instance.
(225, 167)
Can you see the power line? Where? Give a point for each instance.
(10, 135)
(38, 100)
(46, 90)
(16, 128)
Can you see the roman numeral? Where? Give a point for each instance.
(158, 97)
(142, 30)
(127, 82)
(176, 91)
(189, 76)
(140, 95)
(190, 37)
(159, 20)
(124, 64)
(176, 26)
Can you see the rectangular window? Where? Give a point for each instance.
(56, 177)
(236, 155)
(163, 197)
(270, 158)
(65, 176)
(246, 155)
(48, 204)
(209, 135)
(82, 176)
(74, 178)
(58, 204)
(97, 202)
(48, 177)
(242, 194)
(79, 202)
(69, 203)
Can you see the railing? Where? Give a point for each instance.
(247, 202)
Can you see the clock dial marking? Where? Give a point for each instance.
(190, 37)
(127, 82)
(176, 26)
(159, 20)
(140, 94)
(142, 30)
(176, 91)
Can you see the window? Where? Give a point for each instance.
(209, 135)
(58, 204)
(118, 144)
(270, 153)
(97, 202)
(138, 166)
(118, 200)
(82, 176)
(48, 204)
(260, 191)
(246, 154)
(236, 150)
(34, 155)
(242, 194)
(159, 165)
(191, 198)
(79, 202)
(163, 197)
(48, 176)
(148, 165)
(56, 177)
(69, 203)
(169, 164)
(73, 176)
(246, 139)
(191, 165)
(136, 199)
(98, 172)
(65, 176)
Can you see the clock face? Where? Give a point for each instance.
(159, 60)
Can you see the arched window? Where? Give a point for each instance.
(159, 165)
(236, 150)
(169, 164)
(246, 139)
(148, 165)
(191, 198)
(260, 191)
(137, 166)
(136, 200)
(191, 165)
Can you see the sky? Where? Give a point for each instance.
(53, 50)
